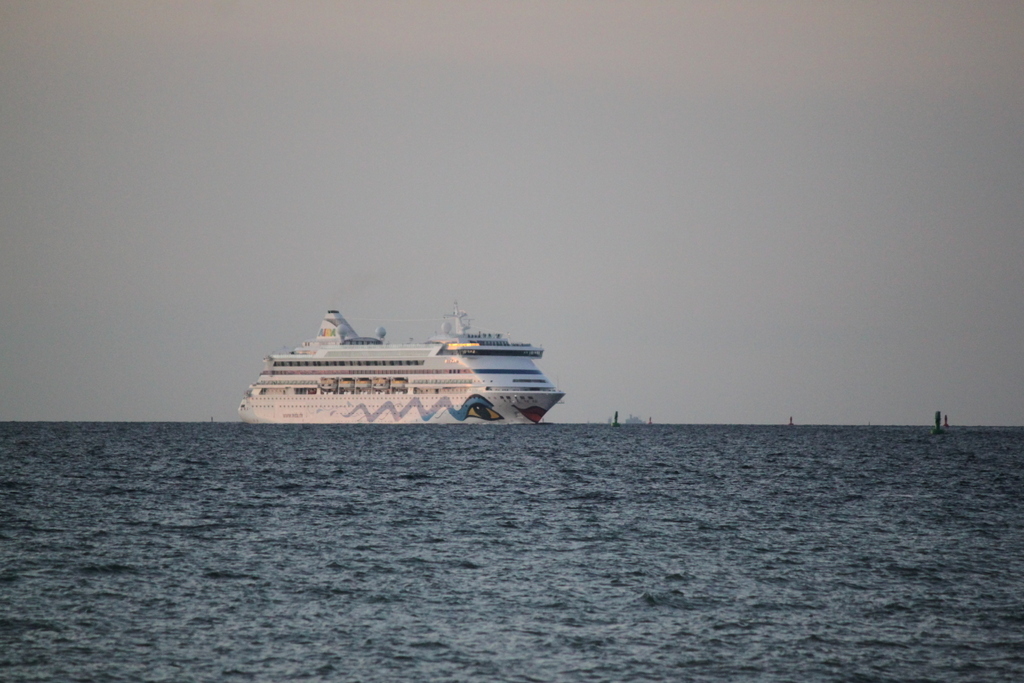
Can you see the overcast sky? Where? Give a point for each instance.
(706, 212)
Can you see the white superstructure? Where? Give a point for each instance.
(455, 376)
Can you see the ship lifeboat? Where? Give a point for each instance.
(347, 384)
(328, 385)
(400, 384)
(363, 384)
(381, 383)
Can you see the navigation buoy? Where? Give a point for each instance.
(937, 429)
(945, 421)
(615, 420)
(790, 420)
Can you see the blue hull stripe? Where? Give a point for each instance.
(507, 372)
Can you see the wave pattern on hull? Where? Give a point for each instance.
(475, 406)
(397, 415)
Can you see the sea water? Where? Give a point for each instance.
(195, 552)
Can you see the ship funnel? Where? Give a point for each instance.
(335, 328)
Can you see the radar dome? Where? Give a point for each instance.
(380, 332)
(446, 327)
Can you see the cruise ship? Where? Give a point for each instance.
(457, 376)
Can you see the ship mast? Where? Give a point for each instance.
(461, 319)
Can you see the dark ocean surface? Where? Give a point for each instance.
(180, 552)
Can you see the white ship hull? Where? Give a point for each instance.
(398, 409)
